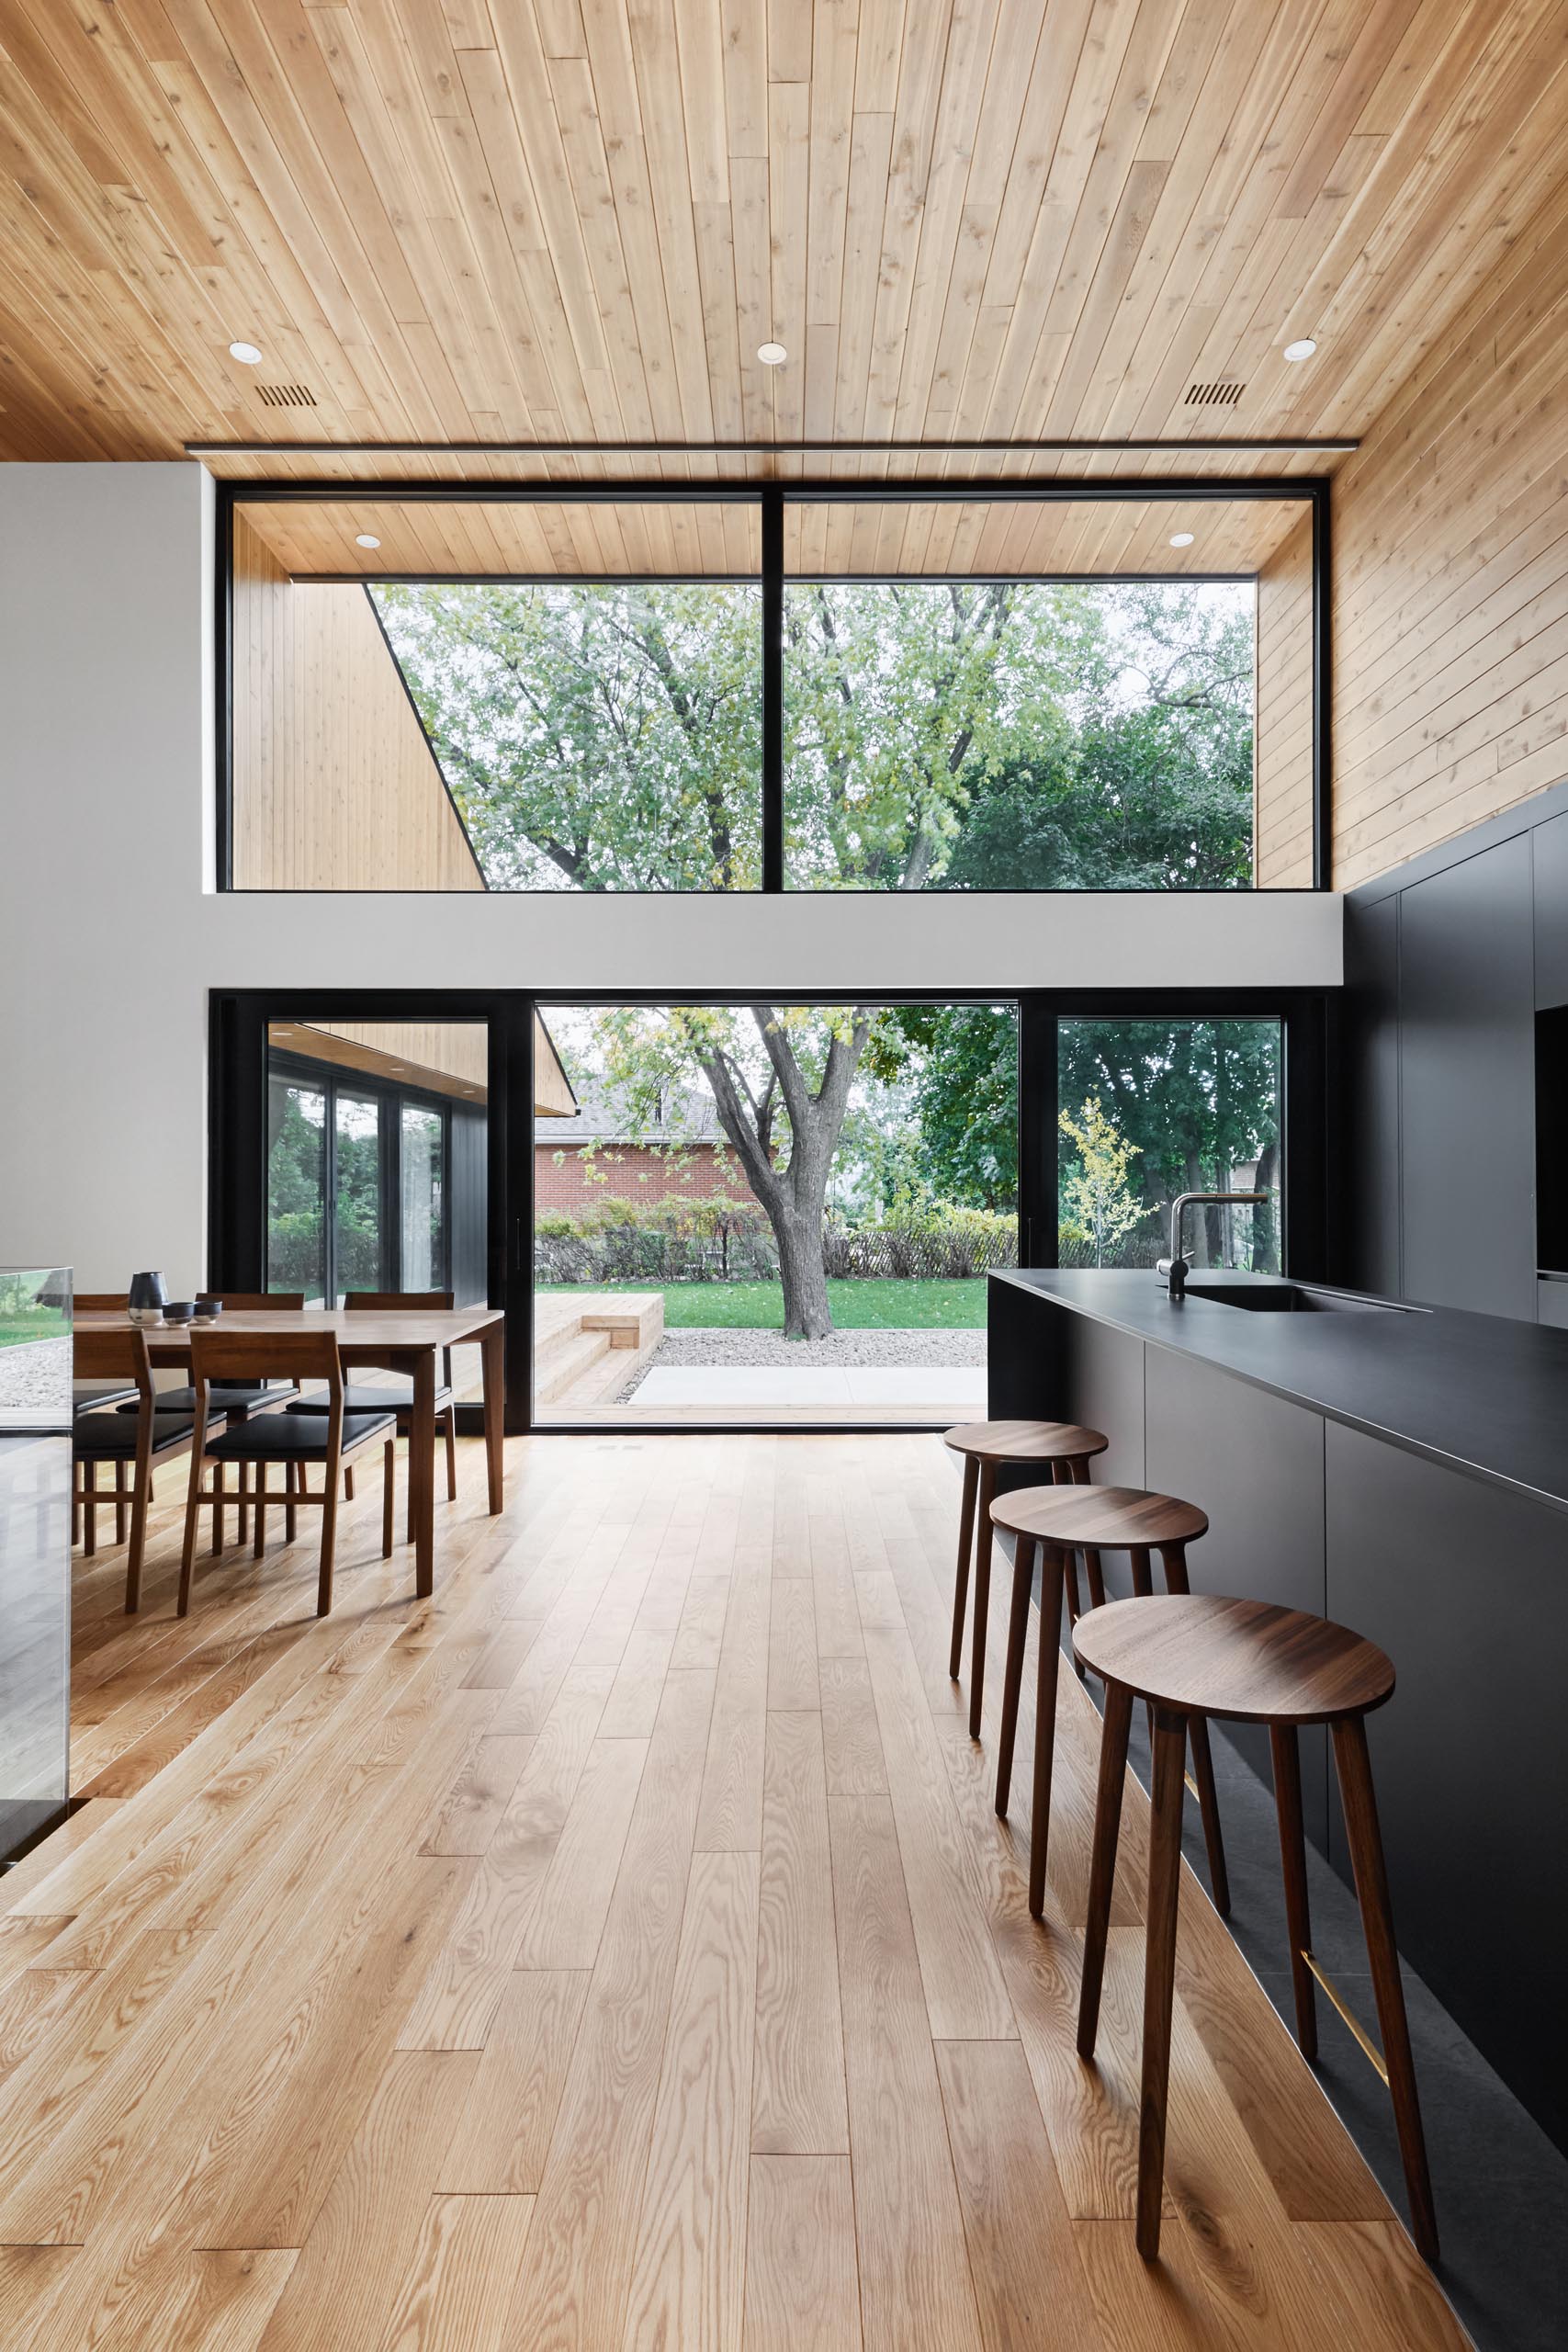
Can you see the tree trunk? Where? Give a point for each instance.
(801, 1270)
(1265, 1252)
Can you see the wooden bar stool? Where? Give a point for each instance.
(1244, 1661)
(1061, 1522)
(986, 1446)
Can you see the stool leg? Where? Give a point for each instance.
(1044, 1723)
(1103, 1864)
(1360, 1804)
(1159, 1969)
(1012, 1678)
(985, 1544)
(1285, 1750)
(1173, 1559)
(1096, 1576)
(961, 1578)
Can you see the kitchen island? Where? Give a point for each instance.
(1406, 1471)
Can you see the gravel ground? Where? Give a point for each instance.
(714, 1346)
(36, 1373)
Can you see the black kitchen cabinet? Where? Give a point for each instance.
(1551, 845)
(1467, 1084)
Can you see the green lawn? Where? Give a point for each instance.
(857, 1306)
(19, 1325)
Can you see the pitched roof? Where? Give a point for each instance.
(688, 1115)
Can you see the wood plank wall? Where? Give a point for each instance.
(1282, 757)
(334, 786)
(1450, 555)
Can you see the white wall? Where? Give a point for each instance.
(111, 933)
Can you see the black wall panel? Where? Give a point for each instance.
(1371, 1035)
(1551, 849)
(1467, 1084)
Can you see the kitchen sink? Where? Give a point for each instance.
(1262, 1297)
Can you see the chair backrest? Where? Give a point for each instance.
(254, 1302)
(309, 1353)
(389, 1302)
(118, 1353)
(99, 1302)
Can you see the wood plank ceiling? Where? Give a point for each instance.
(546, 221)
(880, 537)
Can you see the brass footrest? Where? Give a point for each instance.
(1368, 2046)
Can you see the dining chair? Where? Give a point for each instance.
(241, 1403)
(131, 1444)
(298, 1441)
(100, 1396)
(395, 1395)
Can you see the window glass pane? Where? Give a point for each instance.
(515, 695)
(1148, 1108)
(358, 1221)
(697, 1259)
(424, 1185)
(296, 1188)
(1032, 695)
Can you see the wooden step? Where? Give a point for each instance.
(571, 1357)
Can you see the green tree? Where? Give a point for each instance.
(1095, 1193)
(780, 1080)
(961, 1062)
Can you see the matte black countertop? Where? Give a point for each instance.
(1479, 1393)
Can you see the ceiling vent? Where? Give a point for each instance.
(1214, 395)
(285, 396)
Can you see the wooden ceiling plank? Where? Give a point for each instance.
(833, 49)
(871, 154)
(789, 183)
(754, 298)
(588, 171)
(650, 49)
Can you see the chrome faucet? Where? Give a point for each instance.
(1174, 1268)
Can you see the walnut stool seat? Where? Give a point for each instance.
(1194, 1654)
(1059, 1522)
(987, 1446)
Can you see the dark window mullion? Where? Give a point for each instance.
(772, 502)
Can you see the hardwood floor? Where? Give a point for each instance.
(619, 1950)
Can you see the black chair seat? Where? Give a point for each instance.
(295, 1437)
(396, 1397)
(111, 1437)
(104, 1395)
(239, 1404)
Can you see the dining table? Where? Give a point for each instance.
(410, 1340)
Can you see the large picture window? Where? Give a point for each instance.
(782, 687)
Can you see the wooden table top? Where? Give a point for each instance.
(424, 1326)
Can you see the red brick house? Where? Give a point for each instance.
(599, 1155)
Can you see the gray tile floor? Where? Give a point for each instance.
(1500, 2185)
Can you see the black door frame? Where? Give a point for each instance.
(389, 1095)
(237, 1118)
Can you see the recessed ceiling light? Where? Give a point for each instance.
(772, 355)
(365, 540)
(247, 351)
(1303, 350)
(1181, 538)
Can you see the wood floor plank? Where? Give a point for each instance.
(345, 2284)
(792, 1684)
(577, 2277)
(802, 2284)
(688, 2282)
(916, 2294)
(1031, 2293)
(798, 2107)
(852, 1745)
(965, 1992)
(454, 2298)
(730, 1814)
(459, 1997)
(472, 1809)
(503, 2132)
(563, 1929)
(579, 2161)
(632, 1708)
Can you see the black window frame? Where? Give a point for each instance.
(1310, 490)
(1311, 1212)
